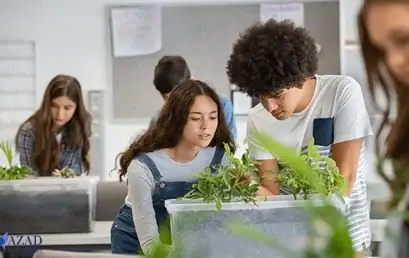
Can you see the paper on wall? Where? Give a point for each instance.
(280, 12)
(136, 30)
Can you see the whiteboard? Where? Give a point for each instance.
(136, 30)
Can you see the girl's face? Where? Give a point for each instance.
(63, 109)
(201, 123)
(388, 29)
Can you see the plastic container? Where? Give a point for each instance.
(198, 230)
(48, 205)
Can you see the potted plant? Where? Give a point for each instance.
(64, 173)
(299, 184)
(60, 203)
(328, 236)
(12, 171)
(227, 195)
(236, 182)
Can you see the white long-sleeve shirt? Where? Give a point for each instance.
(141, 185)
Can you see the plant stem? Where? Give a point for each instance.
(295, 196)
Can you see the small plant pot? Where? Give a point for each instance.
(198, 230)
(48, 205)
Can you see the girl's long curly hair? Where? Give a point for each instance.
(168, 130)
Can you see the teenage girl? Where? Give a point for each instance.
(57, 134)
(383, 27)
(159, 165)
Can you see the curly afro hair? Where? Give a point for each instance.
(272, 56)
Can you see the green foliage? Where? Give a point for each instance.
(66, 172)
(7, 150)
(329, 237)
(12, 172)
(331, 180)
(232, 182)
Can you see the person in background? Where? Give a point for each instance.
(57, 134)
(188, 137)
(277, 62)
(172, 70)
(384, 36)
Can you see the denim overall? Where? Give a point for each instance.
(124, 239)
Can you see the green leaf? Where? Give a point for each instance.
(12, 172)
(228, 182)
(218, 204)
(7, 149)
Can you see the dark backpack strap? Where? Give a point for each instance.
(145, 159)
(217, 158)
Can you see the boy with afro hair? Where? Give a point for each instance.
(277, 63)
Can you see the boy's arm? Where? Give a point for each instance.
(352, 126)
(267, 169)
(346, 155)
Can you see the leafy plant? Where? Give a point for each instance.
(298, 183)
(66, 172)
(237, 181)
(12, 172)
(329, 236)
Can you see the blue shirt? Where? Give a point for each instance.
(229, 115)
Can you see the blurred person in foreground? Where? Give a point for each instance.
(384, 37)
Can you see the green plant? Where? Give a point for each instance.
(330, 178)
(237, 181)
(66, 172)
(12, 172)
(329, 236)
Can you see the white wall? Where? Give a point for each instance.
(72, 37)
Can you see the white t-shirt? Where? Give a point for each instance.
(337, 113)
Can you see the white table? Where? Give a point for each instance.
(100, 236)
(377, 190)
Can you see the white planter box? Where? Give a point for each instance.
(198, 230)
(48, 205)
